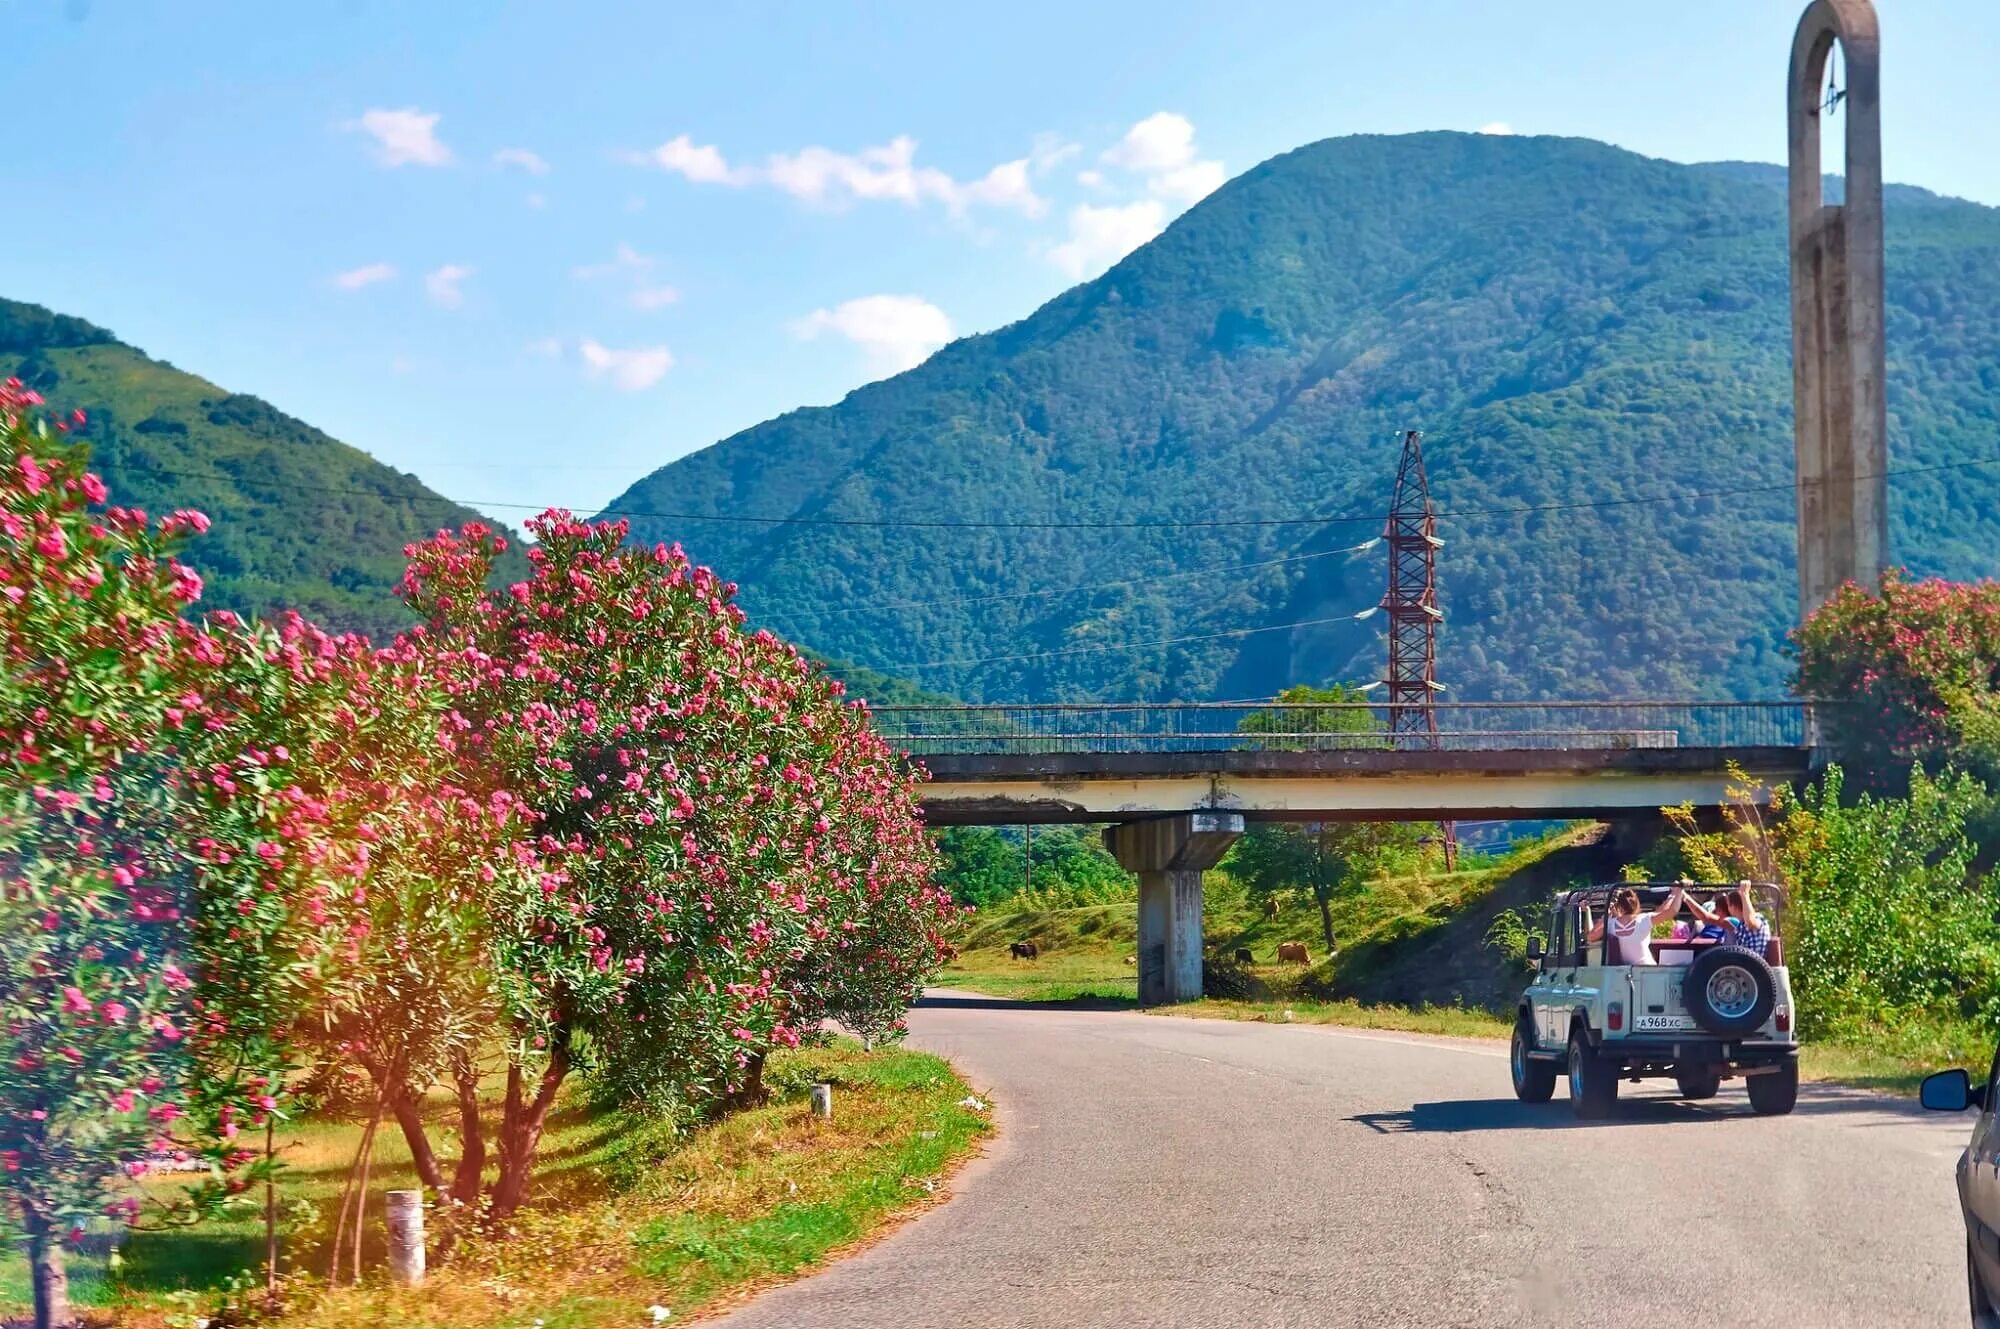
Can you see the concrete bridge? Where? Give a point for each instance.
(1179, 781)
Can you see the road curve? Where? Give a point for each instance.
(1154, 1171)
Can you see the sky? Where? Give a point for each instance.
(533, 251)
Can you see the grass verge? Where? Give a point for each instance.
(629, 1215)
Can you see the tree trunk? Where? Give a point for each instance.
(45, 1258)
(521, 1131)
(752, 1092)
(471, 1171)
(422, 1156)
(1325, 899)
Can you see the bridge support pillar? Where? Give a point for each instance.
(1169, 854)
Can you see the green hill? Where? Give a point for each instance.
(1599, 336)
(301, 520)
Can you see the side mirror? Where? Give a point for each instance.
(1535, 949)
(1950, 1091)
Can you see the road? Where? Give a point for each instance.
(1155, 1171)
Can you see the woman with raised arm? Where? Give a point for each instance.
(1631, 928)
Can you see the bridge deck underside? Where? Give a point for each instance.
(1046, 788)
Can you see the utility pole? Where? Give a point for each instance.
(1411, 604)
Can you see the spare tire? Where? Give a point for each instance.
(1729, 990)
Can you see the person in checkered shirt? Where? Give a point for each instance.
(1735, 912)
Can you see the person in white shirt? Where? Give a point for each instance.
(1630, 928)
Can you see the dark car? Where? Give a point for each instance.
(1978, 1184)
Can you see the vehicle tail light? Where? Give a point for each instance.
(1784, 1020)
(1614, 1016)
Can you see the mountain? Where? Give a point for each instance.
(301, 520)
(1593, 335)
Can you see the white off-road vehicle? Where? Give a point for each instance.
(1705, 1011)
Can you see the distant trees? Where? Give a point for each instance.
(1327, 858)
(986, 867)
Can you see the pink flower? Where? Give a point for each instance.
(74, 1002)
(33, 478)
(93, 489)
(187, 585)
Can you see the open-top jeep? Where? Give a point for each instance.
(1703, 1012)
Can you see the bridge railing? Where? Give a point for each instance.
(1471, 726)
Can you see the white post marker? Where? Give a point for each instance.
(822, 1095)
(406, 1237)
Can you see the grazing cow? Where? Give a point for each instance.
(1293, 952)
(1243, 955)
(1270, 906)
(1024, 950)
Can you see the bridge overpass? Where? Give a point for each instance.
(1179, 781)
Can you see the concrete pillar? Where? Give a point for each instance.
(1840, 419)
(1169, 854)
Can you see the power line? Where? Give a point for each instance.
(1131, 646)
(1097, 586)
(739, 519)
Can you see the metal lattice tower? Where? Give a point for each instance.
(1411, 604)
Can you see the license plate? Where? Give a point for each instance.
(1675, 1022)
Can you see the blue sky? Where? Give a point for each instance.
(532, 251)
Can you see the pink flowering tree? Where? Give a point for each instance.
(95, 994)
(694, 796)
(1913, 668)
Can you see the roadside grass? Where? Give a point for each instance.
(628, 1213)
(1451, 1021)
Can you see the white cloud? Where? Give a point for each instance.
(1160, 142)
(649, 298)
(629, 371)
(1091, 179)
(1099, 237)
(632, 268)
(406, 137)
(895, 332)
(702, 164)
(625, 261)
(1191, 183)
(538, 201)
(1161, 147)
(441, 285)
(531, 162)
(1496, 127)
(545, 348)
(367, 275)
(1050, 151)
(829, 178)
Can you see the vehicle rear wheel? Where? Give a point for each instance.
(1983, 1314)
(1593, 1084)
(1698, 1081)
(1773, 1093)
(1534, 1080)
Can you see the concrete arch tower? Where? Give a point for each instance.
(1840, 419)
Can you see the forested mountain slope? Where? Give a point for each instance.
(1585, 332)
(301, 521)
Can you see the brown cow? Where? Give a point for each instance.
(1293, 952)
(1270, 906)
(1131, 959)
(1243, 955)
(1024, 950)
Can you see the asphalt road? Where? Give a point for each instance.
(1174, 1172)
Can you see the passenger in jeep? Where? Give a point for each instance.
(1631, 928)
